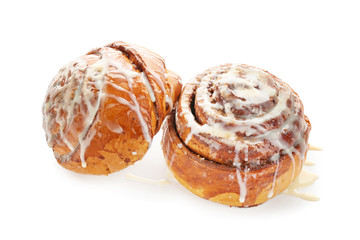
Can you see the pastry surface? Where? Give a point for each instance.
(102, 110)
(238, 135)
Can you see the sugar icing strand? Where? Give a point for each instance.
(79, 86)
(245, 108)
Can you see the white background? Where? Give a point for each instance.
(312, 45)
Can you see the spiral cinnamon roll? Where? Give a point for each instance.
(238, 135)
(102, 110)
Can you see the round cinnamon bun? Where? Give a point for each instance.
(102, 110)
(238, 135)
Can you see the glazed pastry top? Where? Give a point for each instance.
(242, 116)
(105, 78)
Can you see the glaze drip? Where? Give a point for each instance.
(75, 95)
(305, 179)
(253, 115)
(159, 182)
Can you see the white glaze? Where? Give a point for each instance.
(82, 86)
(252, 88)
(148, 86)
(309, 163)
(156, 75)
(304, 179)
(136, 108)
(275, 159)
(241, 179)
(159, 182)
(168, 99)
(314, 148)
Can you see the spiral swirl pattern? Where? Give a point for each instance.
(245, 118)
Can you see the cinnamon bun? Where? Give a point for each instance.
(102, 110)
(238, 135)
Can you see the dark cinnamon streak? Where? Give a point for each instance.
(136, 59)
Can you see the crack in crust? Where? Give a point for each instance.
(158, 79)
(106, 105)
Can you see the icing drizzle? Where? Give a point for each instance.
(249, 112)
(159, 182)
(77, 92)
(304, 179)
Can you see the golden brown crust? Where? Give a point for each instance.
(218, 182)
(154, 68)
(103, 109)
(238, 135)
